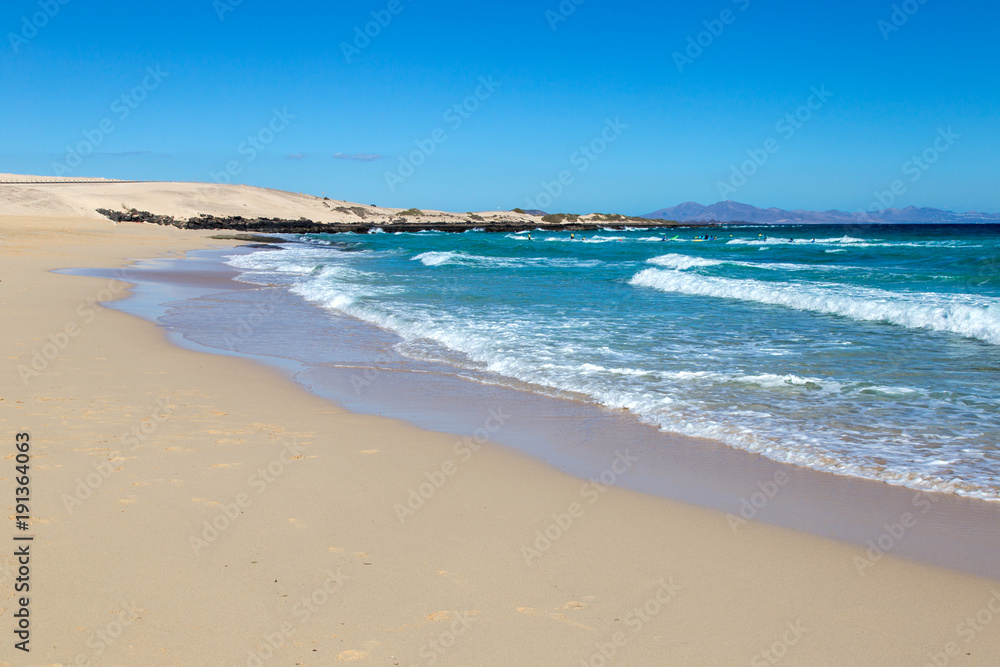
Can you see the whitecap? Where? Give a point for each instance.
(964, 316)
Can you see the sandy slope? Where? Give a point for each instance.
(188, 200)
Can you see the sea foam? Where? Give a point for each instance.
(937, 312)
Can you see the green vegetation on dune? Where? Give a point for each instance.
(560, 217)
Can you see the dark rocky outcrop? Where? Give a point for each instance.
(132, 215)
(304, 226)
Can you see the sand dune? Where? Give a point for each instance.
(71, 198)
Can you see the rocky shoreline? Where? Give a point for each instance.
(304, 226)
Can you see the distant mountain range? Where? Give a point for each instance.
(730, 211)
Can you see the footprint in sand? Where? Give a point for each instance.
(531, 611)
(573, 604)
(351, 655)
(439, 616)
(354, 654)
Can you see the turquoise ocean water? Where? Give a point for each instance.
(872, 352)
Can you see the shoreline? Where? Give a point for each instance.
(323, 530)
(570, 434)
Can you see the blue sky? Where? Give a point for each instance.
(268, 95)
